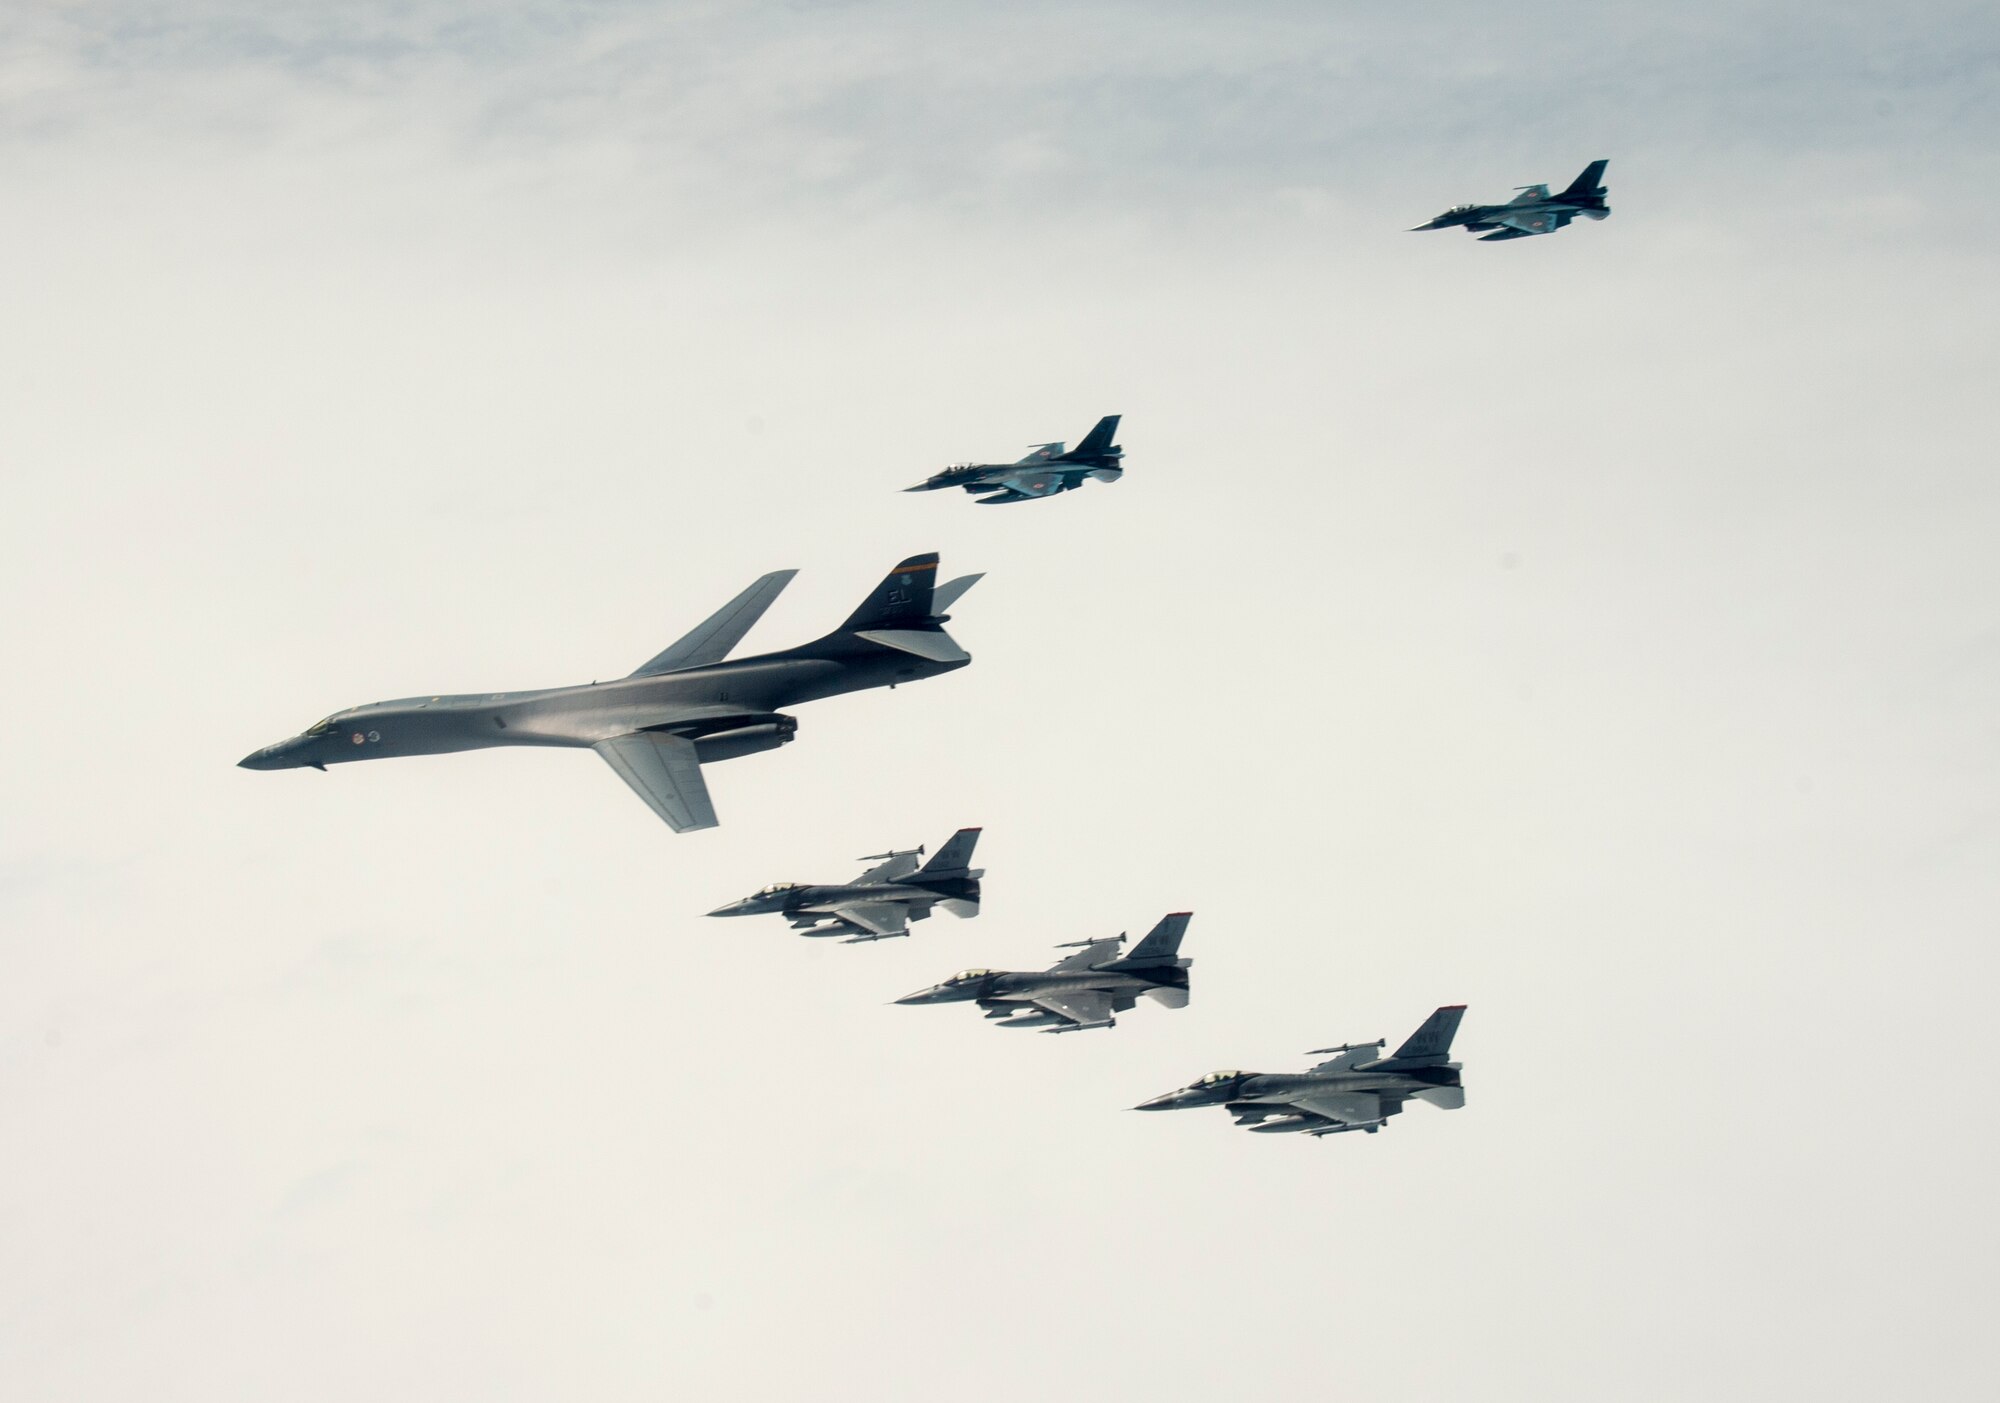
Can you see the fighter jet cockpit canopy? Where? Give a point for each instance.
(1213, 1077)
(966, 976)
(777, 887)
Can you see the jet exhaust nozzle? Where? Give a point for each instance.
(745, 740)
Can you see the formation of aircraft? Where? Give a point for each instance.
(692, 705)
(1533, 211)
(882, 901)
(1353, 1090)
(1047, 470)
(1084, 990)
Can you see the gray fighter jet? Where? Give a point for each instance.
(1533, 211)
(1081, 991)
(1354, 1090)
(1043, 473)
(882, 901)
(682, 709)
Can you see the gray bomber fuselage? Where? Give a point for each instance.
(707, 702)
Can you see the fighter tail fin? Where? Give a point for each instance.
(953, 857)
(1588, 186)
(1162, 945)
(1097, 442)
(1432, 1042)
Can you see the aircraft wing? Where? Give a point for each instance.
(1541, 221)
(1035, 482)
(1342, 1107)
(1094, 953)
(711, 640)
(664, 771)
(1350, 1058)
(1085, 1008)
(874, 920)
(899, 866)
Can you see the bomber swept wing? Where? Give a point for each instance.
(711, 640)
(665, 771)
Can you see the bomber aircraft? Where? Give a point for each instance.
(882, 901)
(1043, 473)
(1533, 211)
(1082, 991)
(682, 709)
(1353, 1090)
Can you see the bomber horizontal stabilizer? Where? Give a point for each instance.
(933, 644)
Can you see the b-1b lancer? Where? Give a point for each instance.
(684, 708)
(1354, 1090)
(1533, 211)
(1043, 473)
(882, 901)
(1081, 991)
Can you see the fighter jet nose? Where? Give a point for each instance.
(922, 996)
(734, 908)
(1160, 1103)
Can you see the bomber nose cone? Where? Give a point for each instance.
(270, 757)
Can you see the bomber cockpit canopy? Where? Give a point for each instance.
(969, 974)
(319, 728)
(1213, 1077)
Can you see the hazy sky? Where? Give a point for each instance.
(1599, 630)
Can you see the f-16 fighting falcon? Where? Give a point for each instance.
(1081, 991)
(1533, 211)
(1353, 1090)
(1043, 473)
(684, 708)
(882, 901)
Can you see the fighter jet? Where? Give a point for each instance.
(882, 901)
(1533, 211)
(1354, 1090)
(1081, 991)
(682, 709)
(1043, 473)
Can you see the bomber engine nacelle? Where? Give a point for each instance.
(745, 740)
